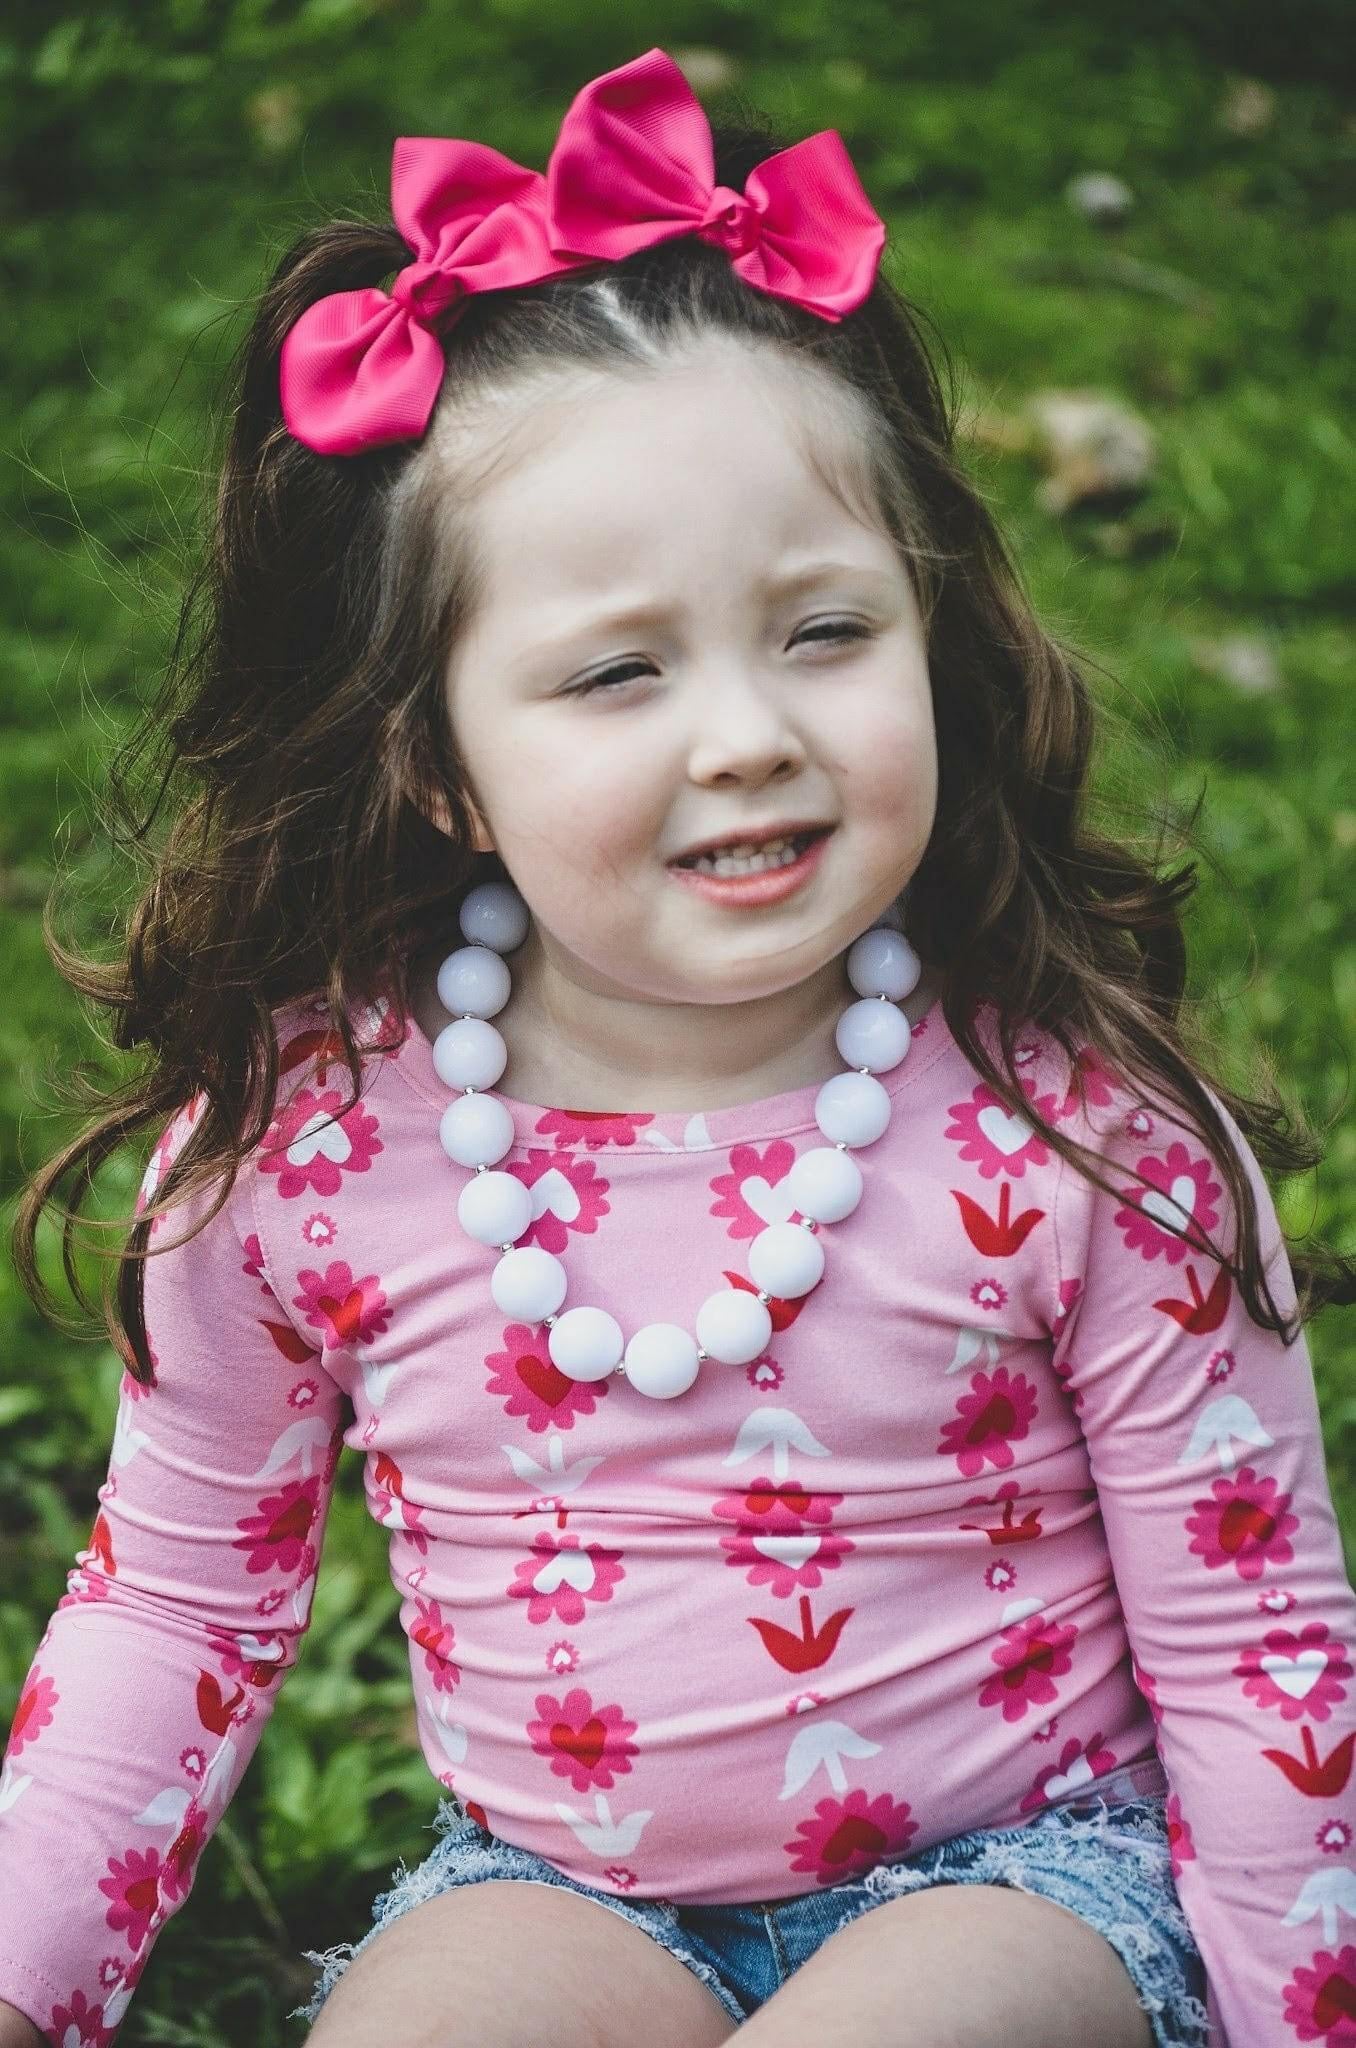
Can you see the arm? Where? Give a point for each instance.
(15, 2030)
(151, 1685)
(1204, 1438)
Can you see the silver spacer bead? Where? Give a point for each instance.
(763, 1297)
(702, 1355)
(840, 1144)
(547, 1321)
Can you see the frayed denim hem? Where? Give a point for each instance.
(476, 1859)
(1048, 1851)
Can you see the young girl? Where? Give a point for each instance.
(850, 1453)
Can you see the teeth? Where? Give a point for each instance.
(746, 860)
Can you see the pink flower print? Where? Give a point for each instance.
(319, 1230)
(847, 1837)
(308, 1145)
(133, 1884)
(1220, 1366)
(130, 1389)
(1276, 1600)
(192, 1762)
(78, 2024)
(1181, 1848)
(271, 1602)
(1333, 1837)
(1245, 1524)
(166, 1150)
(783, 1540)
(1063, 1371)
(562, 1658)
(1069, 1291)
(804, 1702)
(253, 1266)
(1000, 1575)
(1079, 1763)
(567, 1194)
(592, 1127)
(33, 1713)
(1137, 1122)
(255, 1660)
(1047, 1730)
(1298, 1674)
(995, 1137)
(437, 1639)
(989, 1294)
(302, 1394)
(1166, 1219)
(532, 1384)
(1148, 1686)
(1099, 1083)
(764, 1374)
(752, 1193)
(620, 1878)
(589, 1745)
(1033, 1653)
(560, 1576)
(276, 1537)
(1320, 2003)
(998, 1410)
(345, 1310)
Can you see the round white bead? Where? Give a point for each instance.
(883, 963)
(586, 1343)
(469, 1054)
(473, 982)
(872, 1034)
(476, 1130)
(733, 1326)
(528, 1284)
(853, 1109)
(661, 1361)
(786, 1260)
(494, 914)
(494, 1208)
(825, 1185)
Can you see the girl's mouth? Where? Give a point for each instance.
(773, 874)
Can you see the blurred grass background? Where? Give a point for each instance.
(162, 155)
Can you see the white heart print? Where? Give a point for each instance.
(1175, 1209)
(567, 1566)
(773, 1205)
(1078, 1773)
(1296, 1676)
(1006, 1132)
(319, 1133)
(554, 1192)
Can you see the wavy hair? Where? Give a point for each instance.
(300, 736)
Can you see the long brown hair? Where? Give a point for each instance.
(301, 726)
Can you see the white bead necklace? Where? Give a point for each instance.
(785, 1260)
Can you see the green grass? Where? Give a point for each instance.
(165, 156)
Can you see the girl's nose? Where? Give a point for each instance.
(742, 731)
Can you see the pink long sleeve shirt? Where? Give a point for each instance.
(1017, 1502)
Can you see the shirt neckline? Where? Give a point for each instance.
(540, 1125)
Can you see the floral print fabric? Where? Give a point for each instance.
(1016, 1500)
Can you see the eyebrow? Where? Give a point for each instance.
(625, 616)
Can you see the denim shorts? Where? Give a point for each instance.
(1106, 1859)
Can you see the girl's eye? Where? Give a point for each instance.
(824, 631)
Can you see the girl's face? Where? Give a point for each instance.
(770, 666)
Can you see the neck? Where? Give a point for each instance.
(571, 1045)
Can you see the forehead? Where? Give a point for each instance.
(662, 471)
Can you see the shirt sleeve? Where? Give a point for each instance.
(1204, 1439)
(160, 1665)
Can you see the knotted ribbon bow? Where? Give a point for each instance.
(633, 165)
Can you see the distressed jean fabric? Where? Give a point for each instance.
(1106, 1859)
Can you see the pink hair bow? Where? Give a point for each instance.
(633, 165)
